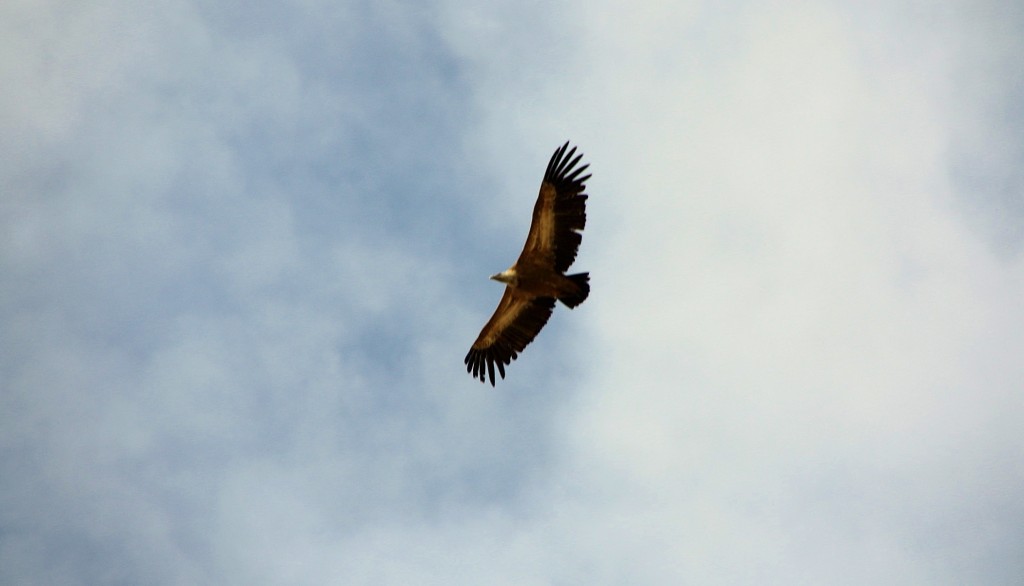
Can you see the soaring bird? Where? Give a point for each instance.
(538, 277)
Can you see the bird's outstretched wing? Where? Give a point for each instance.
(559, 214)
(515, 323)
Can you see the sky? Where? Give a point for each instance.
(244, 248)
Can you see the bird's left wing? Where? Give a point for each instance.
(560, 212)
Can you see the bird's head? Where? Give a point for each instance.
(508, 277)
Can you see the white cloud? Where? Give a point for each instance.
(790, 296)
(244, 251)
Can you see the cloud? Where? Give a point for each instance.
(244, 250)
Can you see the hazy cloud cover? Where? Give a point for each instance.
(244, 249)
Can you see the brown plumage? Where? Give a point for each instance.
(538, 277)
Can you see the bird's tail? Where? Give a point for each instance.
(582, 283)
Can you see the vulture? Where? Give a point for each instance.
(538, 277)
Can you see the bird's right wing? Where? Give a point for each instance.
(515, 323)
